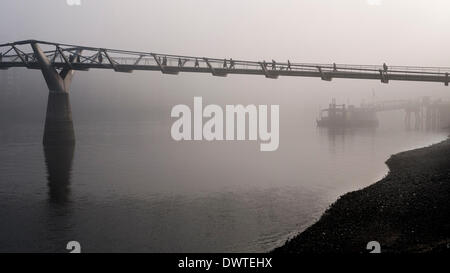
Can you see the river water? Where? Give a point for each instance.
(127, 186)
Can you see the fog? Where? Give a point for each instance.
(128, 186)
(401, 32)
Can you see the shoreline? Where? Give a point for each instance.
(407, 211)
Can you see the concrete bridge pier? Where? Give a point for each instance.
(58, 121)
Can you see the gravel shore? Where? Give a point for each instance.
(408, 211)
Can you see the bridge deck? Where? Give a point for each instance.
(19, 54)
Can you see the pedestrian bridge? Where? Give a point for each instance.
(58, 62)
(75, 57)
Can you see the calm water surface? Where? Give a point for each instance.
(126, 186)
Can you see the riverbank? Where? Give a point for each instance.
(408, 211)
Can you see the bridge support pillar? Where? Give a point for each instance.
(58, 128)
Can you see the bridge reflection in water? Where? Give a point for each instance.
(58, 160)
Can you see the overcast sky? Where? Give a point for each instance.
(398, 32)
(343, 31)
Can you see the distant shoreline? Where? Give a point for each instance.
(408, 211)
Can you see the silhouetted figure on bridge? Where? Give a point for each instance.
(289, 65)
(225, 63)
(274, 65)
(231, 63)
(385, 67)
(334, 67)
(197, 65)
(180, 64)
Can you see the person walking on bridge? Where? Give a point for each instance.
(225, 63)
(274, 65)
(289, 65)
(197, 65)
(231, 63)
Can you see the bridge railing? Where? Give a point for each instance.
(20, 52)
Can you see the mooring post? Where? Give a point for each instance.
(58, 128)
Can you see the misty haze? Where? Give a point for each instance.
(128, 186)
